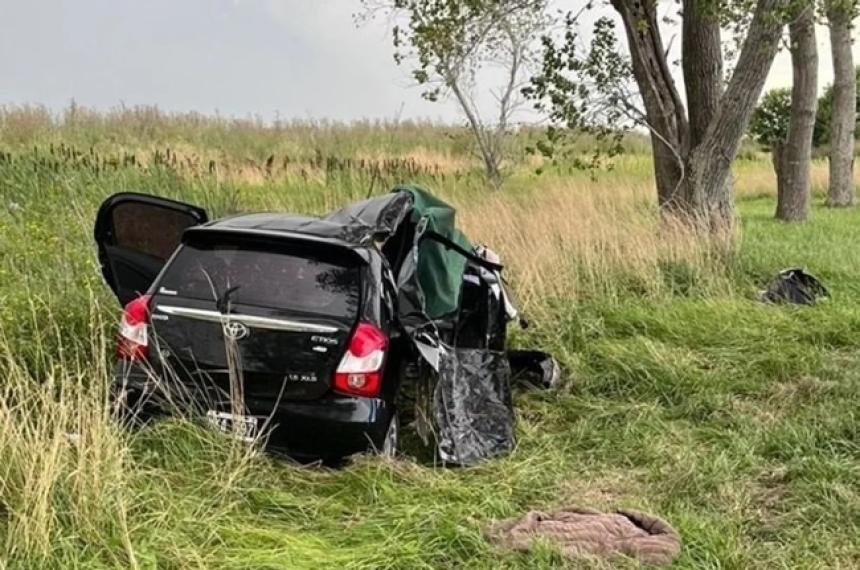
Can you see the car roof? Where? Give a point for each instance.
(356, 225)
(272, 222)
(279, 226)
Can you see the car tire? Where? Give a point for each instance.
(391, 442)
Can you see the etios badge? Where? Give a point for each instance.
(235, 330)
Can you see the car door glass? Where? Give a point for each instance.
(149, 229)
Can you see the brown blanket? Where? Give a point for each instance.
(580, 531)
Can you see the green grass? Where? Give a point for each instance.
(735, 421)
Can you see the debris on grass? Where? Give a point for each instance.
(794, 286)
(580, 532)
(534, 368)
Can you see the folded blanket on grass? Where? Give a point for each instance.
(586, 532)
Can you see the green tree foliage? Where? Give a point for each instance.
(770, 121)
(590, 91)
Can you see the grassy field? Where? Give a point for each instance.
(683, 396)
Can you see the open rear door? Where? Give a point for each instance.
(136, 234)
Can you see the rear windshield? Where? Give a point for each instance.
(289, 277)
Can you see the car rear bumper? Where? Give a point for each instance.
(332, 426)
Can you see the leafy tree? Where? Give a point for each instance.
(769, 122)
(448, 43)
(693, 144)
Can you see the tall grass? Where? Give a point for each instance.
(148, 127)
(683, 395)
(76, 486)
(575, 240)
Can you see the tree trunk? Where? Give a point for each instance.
(841, 191)
(777, 151)
(703, 73)
(793, 174)
(664, 109)
(706, 187)
(483, 135)
(492, 170)
(777, 154)
(692, 160)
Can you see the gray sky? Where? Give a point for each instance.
(293, 58)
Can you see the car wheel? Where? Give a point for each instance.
(392, 438)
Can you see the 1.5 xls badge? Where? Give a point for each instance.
(300, 377)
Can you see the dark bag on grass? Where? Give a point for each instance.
(794, 286)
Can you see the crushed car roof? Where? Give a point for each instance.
(439, 261)
(357, 224)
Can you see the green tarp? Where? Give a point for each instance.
(440, 268)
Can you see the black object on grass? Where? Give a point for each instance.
(794, 286)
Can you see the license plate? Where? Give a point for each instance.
(242, 427)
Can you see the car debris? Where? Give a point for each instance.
(324, 317)
(794, 286)
(534, 369)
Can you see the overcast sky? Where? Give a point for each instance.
(288, 58)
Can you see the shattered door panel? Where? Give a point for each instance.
(472, 405)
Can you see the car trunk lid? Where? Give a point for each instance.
(277, 314)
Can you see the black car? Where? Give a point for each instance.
(311, 330)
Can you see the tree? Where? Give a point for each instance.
(693, 151)
(825, 113)
(793, 157)
(840, 15)
(448, 43)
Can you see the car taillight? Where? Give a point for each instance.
(133, 340)
(360, 370)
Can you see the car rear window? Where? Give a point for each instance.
(284, 276)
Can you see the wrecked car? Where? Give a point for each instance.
(324, 336)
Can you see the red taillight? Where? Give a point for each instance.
(360, 369)
(133, 340)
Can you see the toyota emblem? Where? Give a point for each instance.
(235, 330)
